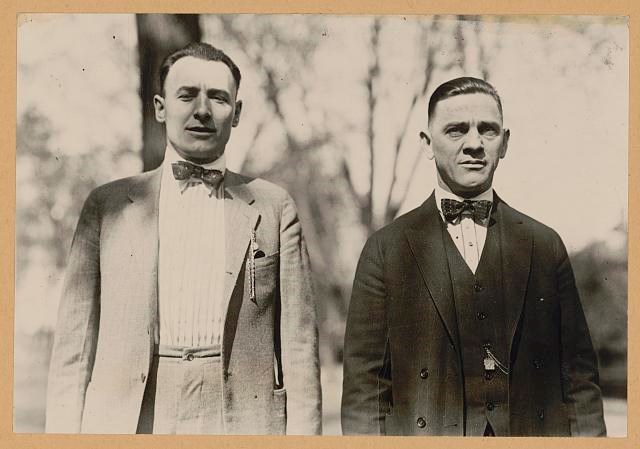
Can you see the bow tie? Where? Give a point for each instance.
(454, 210)
(185, 170)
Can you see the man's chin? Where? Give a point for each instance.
(470, 188)
(201, 156)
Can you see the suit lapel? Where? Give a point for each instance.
(142, 223)
(240, 219)
(516, 247)
(427, 247)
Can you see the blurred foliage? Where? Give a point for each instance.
(51, 189)
(601, 276)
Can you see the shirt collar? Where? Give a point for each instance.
(442, 194)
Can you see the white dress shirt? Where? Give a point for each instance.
(191, 260)
(468, 235)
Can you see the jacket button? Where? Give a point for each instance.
(537, 363)
(421, 422)
(424, 373)
(490, 406)
(488, 375)
(540, 413)
(481, 315)
(478, 287)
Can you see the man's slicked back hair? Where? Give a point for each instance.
(198, 50)
(461, 86)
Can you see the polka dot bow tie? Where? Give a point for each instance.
(454, 210)
(185, 170)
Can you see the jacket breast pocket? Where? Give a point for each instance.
(267, 271)
(267, 261)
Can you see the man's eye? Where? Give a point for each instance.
(455, 132)
(489, 132)
(185, 97)
(219, 99)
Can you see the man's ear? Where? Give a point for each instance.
(158, 105)
(236, 114)
(425, 143)
(505, 142)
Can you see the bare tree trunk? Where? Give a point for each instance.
(392, 207)
(366, 210)
(158, 35)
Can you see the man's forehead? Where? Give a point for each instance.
(195, 71)
(467, 106)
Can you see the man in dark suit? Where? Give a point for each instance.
(187, 303)
(464, 317)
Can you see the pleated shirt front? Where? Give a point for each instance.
(191, 261)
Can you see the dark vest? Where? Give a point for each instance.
(480, 312)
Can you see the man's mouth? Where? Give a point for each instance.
(474, 163)
(201, 129)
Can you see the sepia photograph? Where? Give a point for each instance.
(316, 224)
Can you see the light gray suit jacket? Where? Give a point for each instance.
(107, 318)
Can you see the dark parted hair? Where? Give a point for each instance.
(461, 86)
(198, 50)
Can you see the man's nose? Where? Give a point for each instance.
(474, 140)
(203, 110)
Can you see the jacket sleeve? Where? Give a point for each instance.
(579, 367)
(366, 389)
(298, 329)
(77, 327)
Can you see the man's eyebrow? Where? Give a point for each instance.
(455, 124)
(188, 89)
(490, 123)
(214, 91)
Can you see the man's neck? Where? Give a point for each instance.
(445, 190)
(171, 155)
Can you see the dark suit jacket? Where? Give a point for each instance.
(108, 314)
(402, 320)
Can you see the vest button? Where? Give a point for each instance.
(424, 373)
(481, 315)
(490, 406)
(190, 357)
(540, 413)
(488, 375)
(421, 422)
(537, 363)
(478, 287)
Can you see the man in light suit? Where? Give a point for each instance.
(187, 304)
(464, 317)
